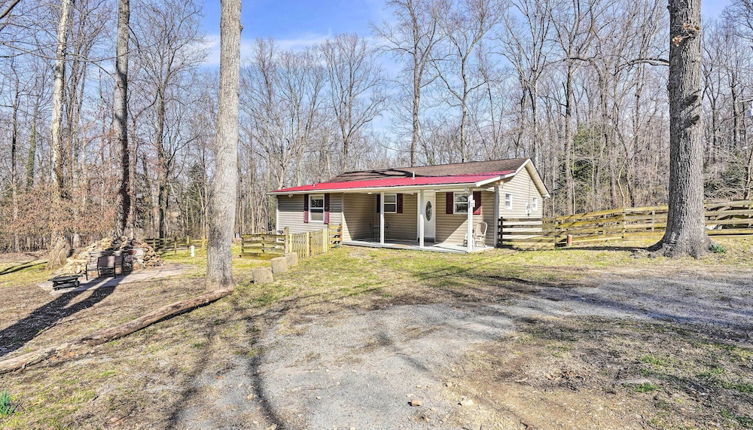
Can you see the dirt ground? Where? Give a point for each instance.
(388, 339)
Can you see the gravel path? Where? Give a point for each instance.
(360, 369)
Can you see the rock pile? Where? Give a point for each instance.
(142, 255)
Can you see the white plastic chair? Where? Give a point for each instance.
(479, 235)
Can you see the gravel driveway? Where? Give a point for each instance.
(360, 369)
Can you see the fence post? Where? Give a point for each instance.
(653, 217)
(286, 238)
(325, 239)
(175, 245)
(500, 226)
(308, 244)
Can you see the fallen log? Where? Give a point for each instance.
(25, 360)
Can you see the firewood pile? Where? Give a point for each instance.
(142, 254)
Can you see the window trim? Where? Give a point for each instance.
(384, 203)
(317, 210)
(508, 202)
(455, 203)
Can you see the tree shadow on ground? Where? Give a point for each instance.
(624, 248)
(19, 267)
(48, 315)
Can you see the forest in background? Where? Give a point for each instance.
(578, 86)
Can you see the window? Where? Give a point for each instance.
(535, 203)
(316, 207)
(390, 203)
(460, 201)
(508, 201)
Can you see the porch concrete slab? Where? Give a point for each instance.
(410, 245)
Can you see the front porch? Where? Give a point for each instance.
(414, 246)
(438, 219)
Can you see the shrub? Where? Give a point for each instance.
(717, 248)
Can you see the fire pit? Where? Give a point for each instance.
(65, 281)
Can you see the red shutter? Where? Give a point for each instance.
(449, 203)
(400, 203)
(326, 208)
(305, 208)
(477, 203)
(378, 202)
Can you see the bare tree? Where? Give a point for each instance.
(166, 38)
(60, 248)
(414, 34)
(686, 227)
(224, 182)
(464, 29)
(573, 22)
(120, 112)
(355, 88)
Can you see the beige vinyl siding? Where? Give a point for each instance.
(401, 225)
(523, 190)
(358, 216)
(362, 219)
(290, 213)
(487, 214)
(451, 228)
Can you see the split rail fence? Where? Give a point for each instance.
(173, 244)
(307, 244)
(722, 219)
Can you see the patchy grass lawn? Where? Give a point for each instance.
(146, 379)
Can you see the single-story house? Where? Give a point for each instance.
(428, 207)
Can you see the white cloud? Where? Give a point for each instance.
(211, 44)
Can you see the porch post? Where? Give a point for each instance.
(421, 205)
(381, 218)
(469, 233)
(496, 216)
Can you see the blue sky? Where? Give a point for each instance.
(294, 23)
(292, 19)
(300, 23)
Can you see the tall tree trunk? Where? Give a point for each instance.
(120, 111)
(686, 232)
(162, 166)
(568, 147)
(13, 164)
(224, 182)
(415, 108)
(60, 248)
(57, 97)
(32, 155)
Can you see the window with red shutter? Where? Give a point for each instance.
(477, 203)
(305, 208)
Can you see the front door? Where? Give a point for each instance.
(430, 215)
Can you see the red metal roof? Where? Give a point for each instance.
(396, 182)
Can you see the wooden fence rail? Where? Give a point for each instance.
(304, 244)
(168, 244)
(722, 219)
